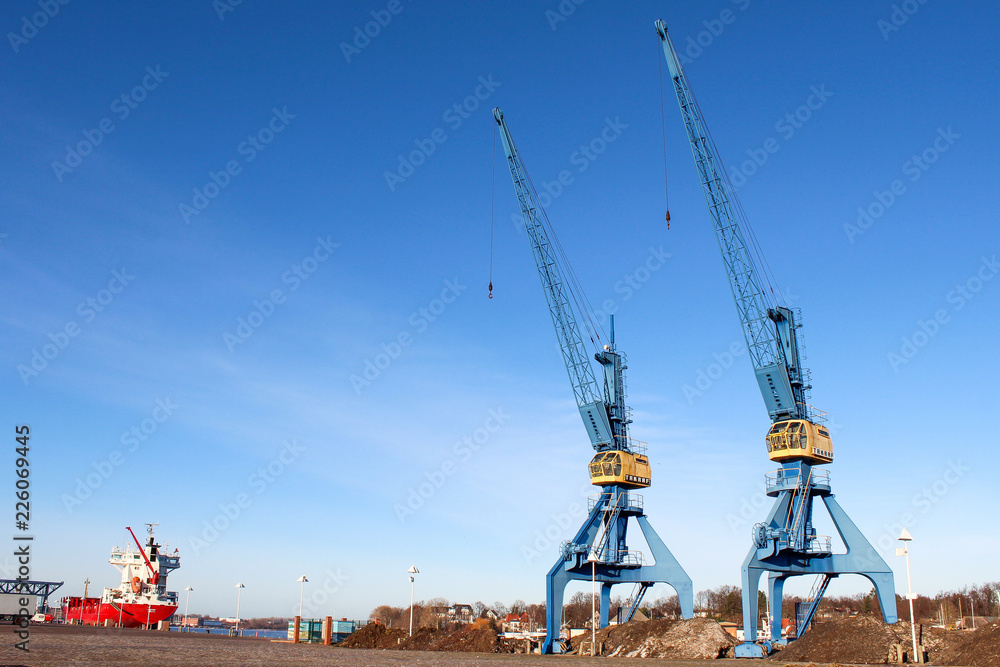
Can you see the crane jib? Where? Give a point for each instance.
(594, 410)
(769, 333)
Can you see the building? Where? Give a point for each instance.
(463, 613)
(516, 623)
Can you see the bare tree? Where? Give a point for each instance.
(536, 615)
(387, 615)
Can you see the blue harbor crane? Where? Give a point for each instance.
(599, 550)
(786, 544)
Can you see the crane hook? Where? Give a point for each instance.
(668, 219)
(491, 289)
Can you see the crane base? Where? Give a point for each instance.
(752, 650)
(615, 564)
(786, 545)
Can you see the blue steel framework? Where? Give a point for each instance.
(786, 544)
(599, 549)
(42, 589)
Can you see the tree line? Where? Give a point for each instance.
(722, 603)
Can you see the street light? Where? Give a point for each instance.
(302, 582)
(239, 591)
(187, 604)
(413, 570)
(905, 538)
(592, 557)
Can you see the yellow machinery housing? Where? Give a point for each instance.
(799, 439)
(618, 466)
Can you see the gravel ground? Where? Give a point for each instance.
(61, 646)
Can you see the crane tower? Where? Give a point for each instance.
(786, 544)
(599, 550)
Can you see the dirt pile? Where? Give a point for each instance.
(867, 640)
(373, 636)
(468, 639)
(859, 639)
(694, 639)
(980, 648)
(482, 639)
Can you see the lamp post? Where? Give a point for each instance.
(186, 605)
(239, 591)
(302, 582)
(592, 557)
(413, 570)
(906, 538)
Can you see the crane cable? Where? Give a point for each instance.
(493, 193)
(572, 283)
(663, 129)
(754, 251)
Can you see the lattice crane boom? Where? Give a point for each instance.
(769, 331)
(603, 412)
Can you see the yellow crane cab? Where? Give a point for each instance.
(618, 466)
(799, 439)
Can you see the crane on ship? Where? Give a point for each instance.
(599, 550)
(786, 544)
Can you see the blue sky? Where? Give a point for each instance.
(245, 255)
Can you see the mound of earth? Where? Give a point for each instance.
(468, 639)
(374, 636)
(693, 639)
(857, 639)
(980, 648)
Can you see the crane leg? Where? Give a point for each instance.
(775, 594)
(615, 567)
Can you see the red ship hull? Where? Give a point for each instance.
(91, 611)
